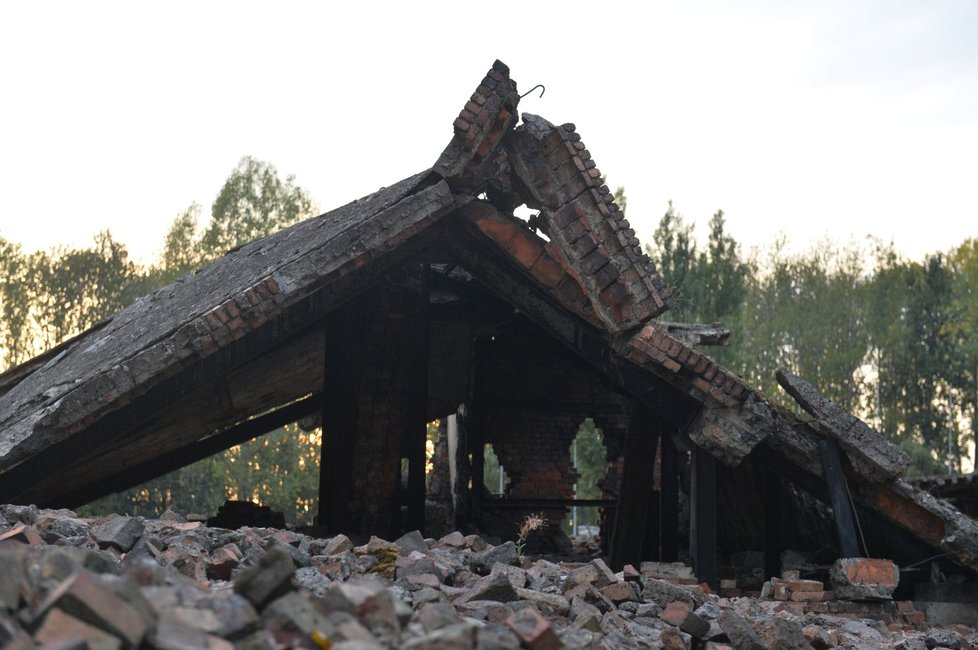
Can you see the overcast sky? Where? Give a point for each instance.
(834, 119)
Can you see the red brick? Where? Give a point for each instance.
(675, 613)
(606, 275)
(547, 271)
(671, 365)
(675, 347)
(575, 230)
(498, 230)
(683, 355)
(710, 371)
(21, 533)
(534, 630)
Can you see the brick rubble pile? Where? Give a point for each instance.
(124, 582)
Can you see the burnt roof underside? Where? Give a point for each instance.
(238, 348)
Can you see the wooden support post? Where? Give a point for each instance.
(703, 518)
(340, 406)
(669, 500)
(651, 548)
(475, 432)
(835, 481)
(772, 487)
(417, 411)
(635, 492)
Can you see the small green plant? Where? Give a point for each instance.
(531, 522)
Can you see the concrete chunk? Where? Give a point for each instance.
(881, 457)
(860, 578)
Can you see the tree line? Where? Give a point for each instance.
(892, 339)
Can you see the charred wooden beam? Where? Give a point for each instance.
(340, 411)
(475, 429)
(703, 518)
(198, 450)
(637, 482)
(417, 408)
(774, 518)
(670, 500)
(861, 442)
(697, 334)
(893, 536)
(842, 512)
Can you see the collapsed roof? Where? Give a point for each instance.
(238, 348)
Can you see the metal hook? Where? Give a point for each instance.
(542, 88)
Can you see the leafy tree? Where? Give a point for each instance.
(962, 330)
(15, 305)
(674, 253)
(254, 202)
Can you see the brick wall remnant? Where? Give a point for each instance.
(579, 214)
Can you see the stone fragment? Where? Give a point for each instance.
(23, 514)
(943, 638)
(452, 540)
(494, 636)
(375, 544)
(460, 636)
(666, 570)
(348, 632)
(672, 639)
(337, 545)
(605, 575)
(234, 614)
(630, 573)
(413, 541)
(60, 627)
(433, 616)
(295, 611)
(117, 532)
(83, 597)
(679, 614)
(533, 630)
(740, 632)
(11, 578)
(862, 578)
(312, 580)
(379, 614)
(662, 592)
(416, 564)
(504, 553)
(269, 579)
(496, 587)
(818, 637)
(780, 633)
(619, 592)
(421, 580)
(543, 600)
(223, 561)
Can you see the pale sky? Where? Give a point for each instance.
(835, 119)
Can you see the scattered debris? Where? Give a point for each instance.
(182, 584)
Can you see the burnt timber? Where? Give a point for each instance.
(403, 306)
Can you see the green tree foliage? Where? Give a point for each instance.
(253, 203)
(50, 296)
(895, 343)
(589, 452)
(962, 331)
